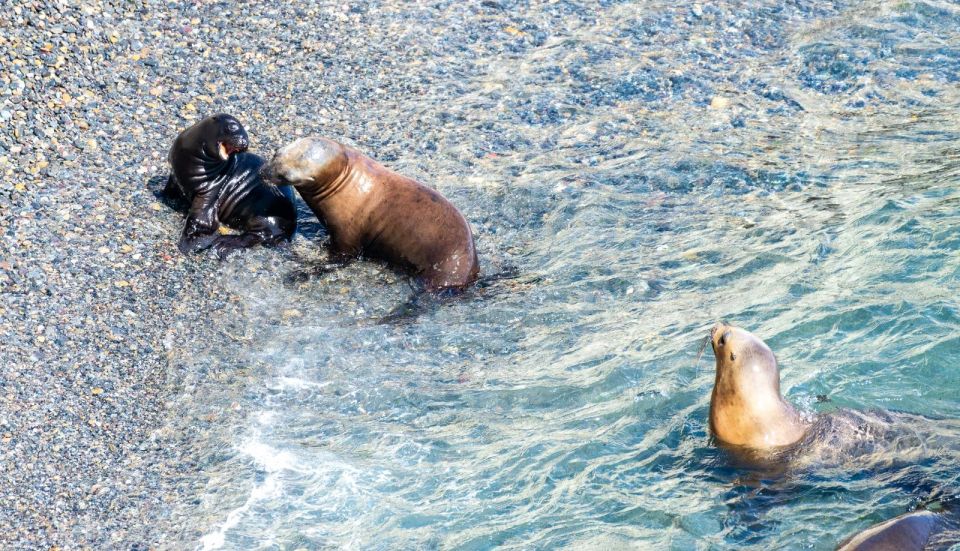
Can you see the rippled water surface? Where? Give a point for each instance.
(649, 168)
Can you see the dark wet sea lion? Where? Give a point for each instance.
(372, 211)
(213, 171)
(910, 532)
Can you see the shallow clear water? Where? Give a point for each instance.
(649, 168)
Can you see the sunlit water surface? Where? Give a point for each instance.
(649, 169)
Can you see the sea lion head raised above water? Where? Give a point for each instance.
(746, 408)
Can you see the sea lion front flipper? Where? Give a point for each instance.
(200, 229)
(226, 244)
(265, 230)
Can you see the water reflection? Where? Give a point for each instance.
(814, 202)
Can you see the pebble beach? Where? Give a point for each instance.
(96, 304)
(648, 167)
(95, 300)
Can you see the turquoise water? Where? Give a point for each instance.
(649, 168)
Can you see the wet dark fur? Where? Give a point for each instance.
(228, 192)
(919, 530)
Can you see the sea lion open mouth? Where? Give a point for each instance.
(226, 149)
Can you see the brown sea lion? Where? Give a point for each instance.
(374, 212)
(746, 408)
(747, 412)
(749, 415)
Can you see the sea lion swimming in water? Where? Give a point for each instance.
(372, 211)
(213, 171)
(748, 413)
(750, 416)
(746, 408)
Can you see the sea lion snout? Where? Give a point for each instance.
(719, 334)
(231, 145)
(309, 161)
(231, 136)
(269, 173)
(277, 173)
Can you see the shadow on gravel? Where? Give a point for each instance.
(157, 185)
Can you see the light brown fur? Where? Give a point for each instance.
(746, 408)
(909, 532)
(372, 211)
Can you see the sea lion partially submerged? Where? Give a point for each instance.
(374, 212)
(913, 531)
(746, 408)
(748, 413)
(749, 416)
(212, 170)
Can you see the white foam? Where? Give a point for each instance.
(266, 417)
(269, 459)
(296, 383)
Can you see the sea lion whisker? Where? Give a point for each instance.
(703, 346)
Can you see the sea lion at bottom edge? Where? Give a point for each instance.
(372, 211)
(912, 531)
(212, 170)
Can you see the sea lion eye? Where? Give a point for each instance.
(232, 127)
(723, 339)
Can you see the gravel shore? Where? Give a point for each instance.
(105, 329)
(90, 281)
(96, 305)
